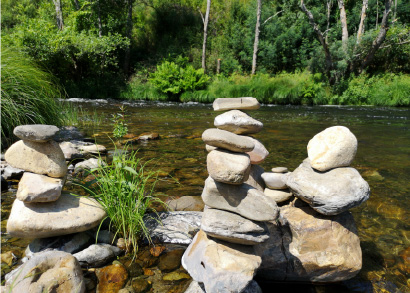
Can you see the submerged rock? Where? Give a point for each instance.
(186, 203)
(238, 122)
(243, 199)
(196, 287)
(111, 278)
(36, 132)
(227, 167)
(97, 255)
(69, 214)
(331, 192)
(221, 266)
(37, 157)
(55, 271)
(333, 147)
(233, 228)
(223, 104)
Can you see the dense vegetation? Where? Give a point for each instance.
(151, 49)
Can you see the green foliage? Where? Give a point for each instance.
(125, 190)
(173, 79)
(120, 126)
(28, 94)
(379, 90)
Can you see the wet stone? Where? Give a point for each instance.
(170, 260)
(111, 278)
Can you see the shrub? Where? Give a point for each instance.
(28, 94)
(125, 190)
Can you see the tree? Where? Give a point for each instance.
(129, 36)
(256, 43)
(205, 21)
(343, 22)
(59, 14)
(360, 31)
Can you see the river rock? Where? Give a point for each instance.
(233, 228)
(278, 195)
(70, 151)
(210, 148)
(255, 177)
(54, 271)
(196, 287)
(333, 147)
(238, 122)
(280, 170)
(331, 192)
(69, 214)
(9, 172)
(39, 188)
(173, 227)
(274, 180)
(227, 167)
(36, 132)
(223, 104)
(89, 164)
(243, 199)
(37, 157)
(97, 255)
(309, 247)
(227, 140)
(186, 203)
(221, 266)
(259, 153)
(67, 133)
(111, 278)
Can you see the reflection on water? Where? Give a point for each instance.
(382, 159)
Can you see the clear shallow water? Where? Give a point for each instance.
(383, 159)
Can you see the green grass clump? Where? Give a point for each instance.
(139, 90)
(125, 190)
(28, 94)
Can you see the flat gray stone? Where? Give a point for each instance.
(223, 104)
(67, 133)
(222, 267)
(331, 192)
(69, 214)
(233, 228)
(173, 227)
(39, 188)
(243, 199)
(227, 140)
(238, 122)
(36, 132)
(280, 170)
(228, 167)
(275, 180)
(38, 157)
(97, 255)
(55, 271)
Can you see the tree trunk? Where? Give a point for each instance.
(377, 13)
(218, 66)
(328, 57)
(384, 27)
(360, 31)
(99, 20)
(59, 14)
(329, 9)
(129, 35)
(256, 42)
(77, 5)
(206, 20)
(343, 21)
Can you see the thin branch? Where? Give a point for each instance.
(272, 16)
(202, 16)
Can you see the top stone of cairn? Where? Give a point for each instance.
(236, 104)
(36, 132)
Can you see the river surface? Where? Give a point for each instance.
(383, 159)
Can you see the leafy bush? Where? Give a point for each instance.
(28, 94)
(173, 79)
(125, 190)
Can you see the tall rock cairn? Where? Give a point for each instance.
(41, 208)
(222, 256)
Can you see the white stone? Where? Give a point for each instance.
(238, 122)
(223, 104)
(278, 195)
(39, 188)
(332, 148)
(274, 180)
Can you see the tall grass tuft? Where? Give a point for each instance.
(125, 190)
(28, 94)
(138, 90)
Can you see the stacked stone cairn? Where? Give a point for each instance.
(42, 210)
(221, 256)
(310, 237)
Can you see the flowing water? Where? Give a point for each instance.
(383, 159)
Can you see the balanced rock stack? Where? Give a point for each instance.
(41, 208)
(222, 256)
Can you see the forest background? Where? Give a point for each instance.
(312, 52)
